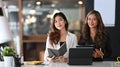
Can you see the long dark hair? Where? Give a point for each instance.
(100, 37)
(54, 33)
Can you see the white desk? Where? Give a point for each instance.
(95, 64)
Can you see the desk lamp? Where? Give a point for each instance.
(5, 33)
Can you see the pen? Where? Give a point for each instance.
(101, 50)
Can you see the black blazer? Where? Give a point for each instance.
(106, 50)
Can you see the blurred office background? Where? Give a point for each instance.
(30, 22)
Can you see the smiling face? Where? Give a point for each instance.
(92, 21)
(59, 23)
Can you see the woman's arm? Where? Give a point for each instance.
(46, 49)
(107, 49)
(46, 55)
(75, 41)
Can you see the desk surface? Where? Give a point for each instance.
(95, 64)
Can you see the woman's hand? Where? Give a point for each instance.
(58, 59)
(53, 59)
(63, 59)
(98, 53)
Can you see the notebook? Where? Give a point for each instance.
(57, 52)
(80, 56)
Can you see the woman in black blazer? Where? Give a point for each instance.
(94, 33)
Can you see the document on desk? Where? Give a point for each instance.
(34, 62)
(57, 52)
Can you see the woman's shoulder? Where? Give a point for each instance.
(71, 34)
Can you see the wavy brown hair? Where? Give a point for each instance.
(54, 33)
(100, 36)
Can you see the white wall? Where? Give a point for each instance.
(107, 10)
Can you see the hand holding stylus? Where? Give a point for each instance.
(98, 53)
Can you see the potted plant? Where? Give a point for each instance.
(8, 53)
